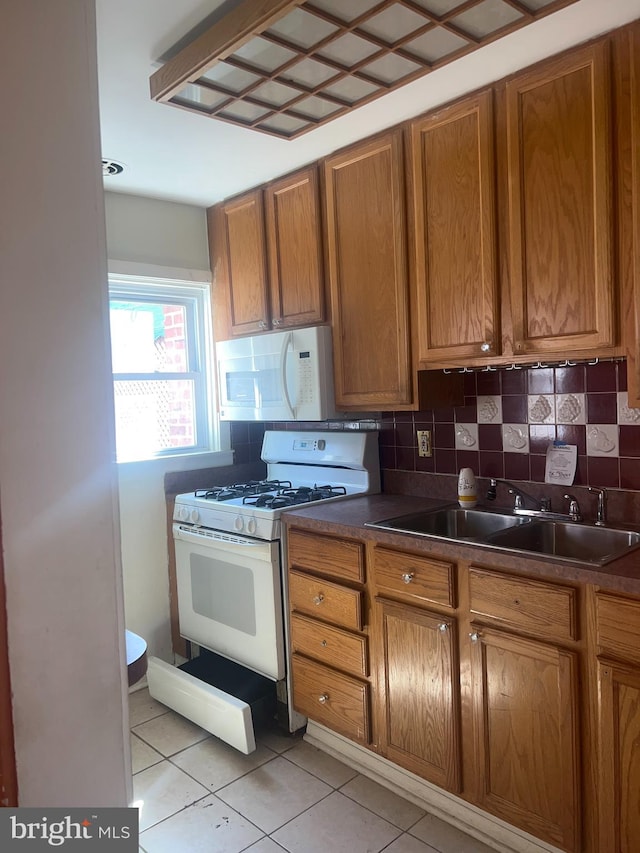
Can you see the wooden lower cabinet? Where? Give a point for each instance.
(332, 698)
(618, 677)
(619, 757)
(520, 694)
(419, 691)
(525, 715)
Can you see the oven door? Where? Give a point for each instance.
(230, 597)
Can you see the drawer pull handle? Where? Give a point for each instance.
(323, 698)
(323, 643)
(443, 627)
(407, 577)
(474, 636)
(318, 599)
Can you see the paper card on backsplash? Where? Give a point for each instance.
(561, 463)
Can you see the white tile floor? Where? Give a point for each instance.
(198, 794)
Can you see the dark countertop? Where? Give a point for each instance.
(347, 518)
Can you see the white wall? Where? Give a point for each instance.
(60, 537)
(145, 556)
(149, 231)
(169, 240)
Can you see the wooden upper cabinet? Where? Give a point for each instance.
(243, 239)
(266, 256)
(366, 251)
(560, 203)
(293, 226)
(454, 239)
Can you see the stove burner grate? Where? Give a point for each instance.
(241, 490)
(291, 496)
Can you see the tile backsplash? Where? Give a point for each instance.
(510, 417)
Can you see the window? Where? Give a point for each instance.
(160, 340)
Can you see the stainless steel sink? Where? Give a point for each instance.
(563, 540)
(569, 541)
(453, 523)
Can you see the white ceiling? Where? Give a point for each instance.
(179, 156)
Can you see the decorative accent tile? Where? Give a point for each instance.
(541, 408)
(570, 409)
(466, 436)
(602, 440)
(627, 414)
(515, 438)
(490, 409)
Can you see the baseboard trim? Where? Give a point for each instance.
(484, 827)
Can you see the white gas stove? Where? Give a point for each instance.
(231, 583)
(302, 468)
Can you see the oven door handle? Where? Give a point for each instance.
(288, 341)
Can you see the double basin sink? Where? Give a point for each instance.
(564, 540)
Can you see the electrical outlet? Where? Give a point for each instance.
(424, 442)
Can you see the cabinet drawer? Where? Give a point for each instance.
(414, 576)
(330, 645)
(533, 606)
(618, 627)
(325, 600)
(337, 701)
(338, 558)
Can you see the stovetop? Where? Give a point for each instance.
(270, 494)
(302, 468)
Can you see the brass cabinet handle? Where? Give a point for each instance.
(323, 698)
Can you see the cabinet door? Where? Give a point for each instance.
(453, 185)
(366, 249)
(525, 717)
(619, 757)
(420, 694)
(560, 208)
(243, 220)
(292, 209)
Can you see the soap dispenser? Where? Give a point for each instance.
(467, 492)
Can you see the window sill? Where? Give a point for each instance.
(178, 462)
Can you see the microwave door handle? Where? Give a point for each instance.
(283, 372)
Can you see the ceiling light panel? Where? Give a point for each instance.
(284, 67)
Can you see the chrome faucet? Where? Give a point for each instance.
(601, 511)
(519, 497)
(574, 508)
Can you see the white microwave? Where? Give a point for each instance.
(277, 376)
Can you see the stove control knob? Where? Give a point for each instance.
(238, 523)
(251, 525)
(182, 513)
(194, 515)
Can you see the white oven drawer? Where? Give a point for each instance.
(212, 708)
